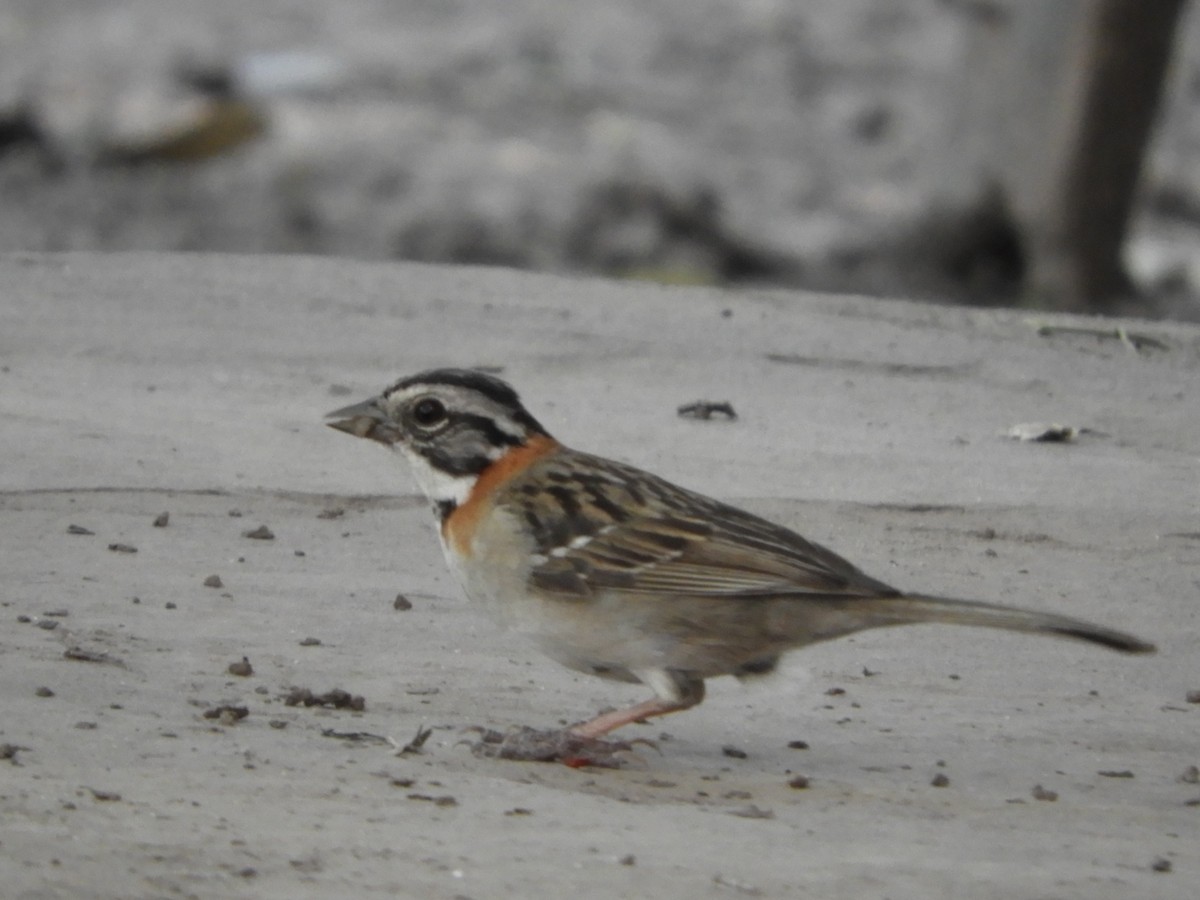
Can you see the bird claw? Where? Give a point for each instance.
(554, 745)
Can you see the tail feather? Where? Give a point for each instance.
(914, 608)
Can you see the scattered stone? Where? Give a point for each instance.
(515, 811)
(170, 604)
(311, 642)
(1113, 773)
(278, 724)
(44, 692)
(1161, 865)
(1193, 697)
(798, 782)
(1041, 793)
(401, 602)
(941, 779)
(122, 548)
(24, 619)
(752, 812)
(734, 752)
(261, 533)
(104, 796)
(333, 512)
(335, 699)
(242, 669)
(1040, 432)
(162, 520)
(10, 751)
(797, 745)
(444, 800)
(47, 624)
(57, 613)
(1191, 775)
(706, 409)
(214, 581)
(227, 714)
(78, 654)
(79, 529)
(627, 860)
(299, 553)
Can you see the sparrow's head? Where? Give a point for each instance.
(451, 424)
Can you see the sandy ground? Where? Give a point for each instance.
(132, 386)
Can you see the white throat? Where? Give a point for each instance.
(440, 487)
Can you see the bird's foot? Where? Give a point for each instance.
(554, 745)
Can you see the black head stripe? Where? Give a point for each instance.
(493, 388)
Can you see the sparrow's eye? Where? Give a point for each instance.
(428, 412)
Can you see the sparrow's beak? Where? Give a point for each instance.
(365, 420)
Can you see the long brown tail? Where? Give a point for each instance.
(913, 608)
(921, 607)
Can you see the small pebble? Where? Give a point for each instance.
(311, 642)
(44, 692)
(162, 520)
(1191, 775)
(733, 752)
(214, 581)
(401, 602)
(47, 624)
(941, 779)
(79, 529)
(170, 604)
(242, 669)
(261, 533)
(798, 782)
(797, 745)
(1161, 865)
(628, 860)
(1041, 793)
(1193, 696)
(122, 548)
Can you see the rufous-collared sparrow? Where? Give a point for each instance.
(615, 572)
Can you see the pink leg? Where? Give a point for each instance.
(691, 693)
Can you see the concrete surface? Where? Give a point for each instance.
(133, 385)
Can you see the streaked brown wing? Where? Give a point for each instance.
(612, 527)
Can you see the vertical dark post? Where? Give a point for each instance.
(1057, 108)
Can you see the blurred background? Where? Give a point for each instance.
(1012, 152)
